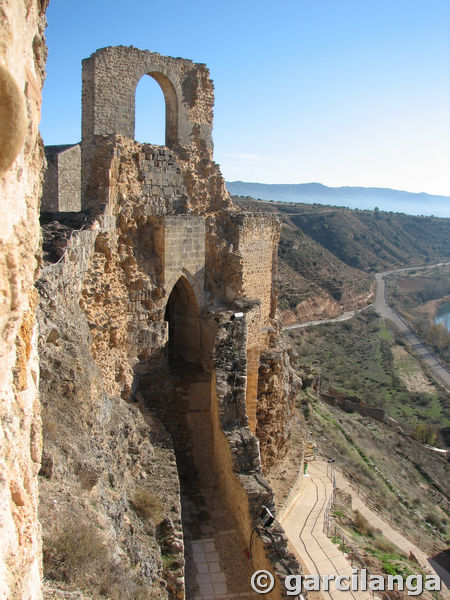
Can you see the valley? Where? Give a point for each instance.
(346, 350)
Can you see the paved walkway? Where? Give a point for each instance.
(303, 522)
(217, 567)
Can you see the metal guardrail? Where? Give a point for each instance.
(339, 537)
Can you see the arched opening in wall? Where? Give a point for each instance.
(182, 314)
(181, 395)
(156, 115)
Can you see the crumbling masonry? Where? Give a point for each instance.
(140, 288)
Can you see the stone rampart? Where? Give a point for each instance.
(163, 255)
(108, 464)
(259, 235)
(237, 457)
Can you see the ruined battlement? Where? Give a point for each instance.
(109, 80)
(110, 76)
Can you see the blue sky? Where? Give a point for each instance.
(343, 92)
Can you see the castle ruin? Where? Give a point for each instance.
(161, 368)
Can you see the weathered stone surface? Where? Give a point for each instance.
(108, 467)
(154, 267)
(278, 385)
(62, 181)
(22, 60)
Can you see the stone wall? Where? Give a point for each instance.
(278, 386)
(22, 65)
(108, 466)
(110, 77)
(140, 257)
(349, 404)
(161, 244)
(49, 201)
(259, 235)
(184, 252)
(237, 458)
(69, 179)
(62, 180)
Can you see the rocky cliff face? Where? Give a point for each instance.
(22, 64)
(108, 481)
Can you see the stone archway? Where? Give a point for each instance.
(170, 97)
(110, 77)
(182, 314)
(149, 82)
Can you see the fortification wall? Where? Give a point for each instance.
(109, 465)
(22, 65)
(278, 386)
(258, 244)
(236, 454)
(162, 235)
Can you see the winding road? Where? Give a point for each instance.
(422, 351)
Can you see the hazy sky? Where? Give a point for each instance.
(343, 92)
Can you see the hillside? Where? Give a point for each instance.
(351, 197)
(326, 255)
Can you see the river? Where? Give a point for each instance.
(443, 316)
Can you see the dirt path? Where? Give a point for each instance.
(344, 317)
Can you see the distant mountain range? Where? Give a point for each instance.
(352, 197)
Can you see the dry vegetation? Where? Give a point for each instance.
(367, 546)
(401, 478)
(360, 357)
(78, 555)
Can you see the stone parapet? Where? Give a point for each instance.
(237, 457)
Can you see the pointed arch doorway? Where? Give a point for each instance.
(182, 314)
